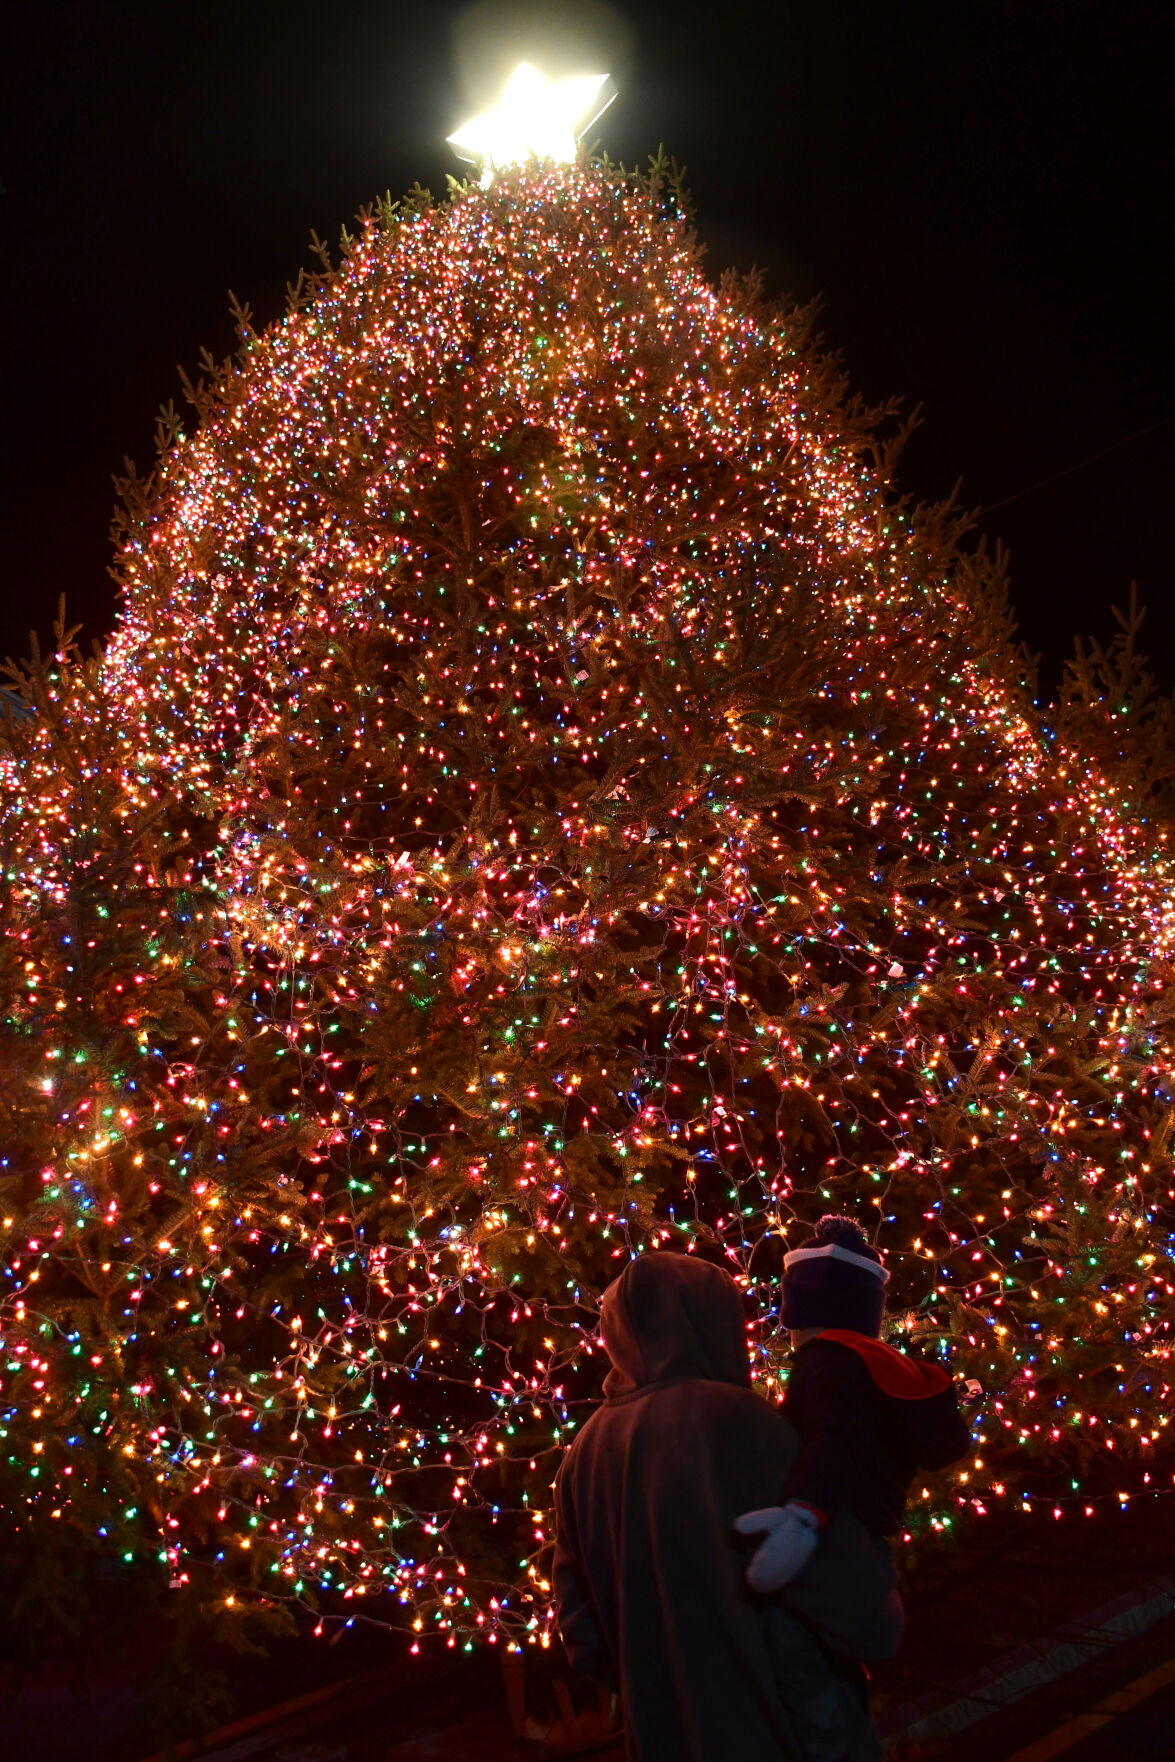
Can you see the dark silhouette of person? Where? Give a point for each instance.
(650, 1577)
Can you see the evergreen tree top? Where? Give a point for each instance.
(561, 322)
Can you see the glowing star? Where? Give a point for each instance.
(535, 118)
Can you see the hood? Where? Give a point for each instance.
(669, 1316)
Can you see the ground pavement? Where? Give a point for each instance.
(1122, 1709)
(1119, 1709)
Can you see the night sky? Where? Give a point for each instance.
(981, 194)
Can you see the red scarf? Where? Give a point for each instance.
(908, 1379)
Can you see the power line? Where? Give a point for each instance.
(1081, 464)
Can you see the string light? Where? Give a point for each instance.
(545, 798)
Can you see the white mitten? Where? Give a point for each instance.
(791, 1532)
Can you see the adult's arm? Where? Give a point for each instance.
(579, 1623)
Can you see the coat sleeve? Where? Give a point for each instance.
(831, 1403)
(579, 1623)
(939, 1432)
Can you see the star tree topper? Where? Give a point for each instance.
(535, 118)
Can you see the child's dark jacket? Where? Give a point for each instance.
(868, 1418)
(648, 1578)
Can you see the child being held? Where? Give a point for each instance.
(868, 1417)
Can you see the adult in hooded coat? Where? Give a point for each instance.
(649, 1577)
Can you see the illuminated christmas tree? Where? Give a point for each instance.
(547, 796)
